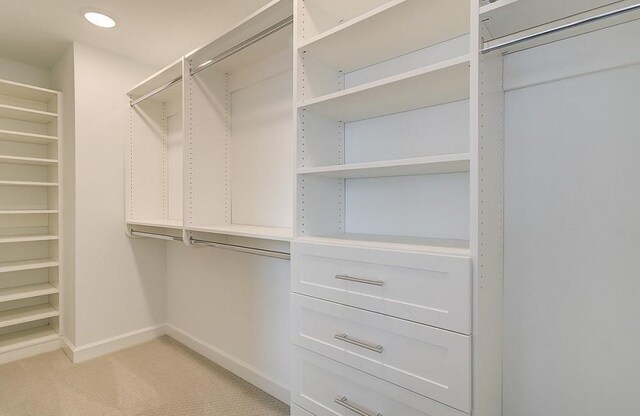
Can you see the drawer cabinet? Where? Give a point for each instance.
(430, 361)
(324, 387)
(428, 288)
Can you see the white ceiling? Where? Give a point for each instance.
(155, 32)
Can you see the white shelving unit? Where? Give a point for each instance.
(30, 240)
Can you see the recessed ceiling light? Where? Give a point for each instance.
(99, 19)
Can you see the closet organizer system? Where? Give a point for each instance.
(29, 219)
(366, 140)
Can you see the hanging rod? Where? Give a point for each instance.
(243, 249)
(156, 91)
(155, 235)
(243, 45)
(562, 27)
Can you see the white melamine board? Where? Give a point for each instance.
(28, 291)
(320, 205)
(317, 16)
(250, 231)
(15, 266)
(27, 211)
(28, 92)
(157, 80)
(432, 131)
(25, 114)
(26, 197)
(261, 152)
(175, 149)
(505, 17)
(164, 223)
(18, 160)
(267, 16)
(27, 314)
(26, 238)
(18, 136)
(26, 338)
(433, 206)
(437, 84)
(572, 198)
(390, 30)
(401, 167)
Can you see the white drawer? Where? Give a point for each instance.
(318, 382)
(428, 288)
(429, 361)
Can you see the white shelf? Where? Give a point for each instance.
(27, 238)
(506, 17)
(157, 80)
(27, 92)
(429, 245)
(18, 160)
(27, 338)
(16, 136)
(393, 29)
(402, 167)
(175, 224)
(250, 231)
(25, 292)
(433, 85)
(16, 266)
(28, 211)
(28, 314)
(26, 114)
(28, 183)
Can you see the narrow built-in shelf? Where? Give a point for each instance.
(250, 231)
(26, 114)
(19, 160)
(393, 29)
(27, 238)
(26, 292)
(24, 315)
(389, 242)
(21, 137)
(175, 224)
(28, 183)
(403, 167)
(17, 266)
(27, 338)
(27, 92)
(28, 211)
(441, 83)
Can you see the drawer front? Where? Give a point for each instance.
(326, 388)
(427, 288)
(429, 361)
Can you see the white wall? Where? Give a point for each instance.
(24, 73)
(572, 235)
(238, 306)
(120, 284)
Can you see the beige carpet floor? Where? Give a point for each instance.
(158, 378)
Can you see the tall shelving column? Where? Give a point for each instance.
(30, 231)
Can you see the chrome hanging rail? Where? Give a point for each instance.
(560, 28)
(155, 235)
(243, 45)
(243, 249)
(156, 91)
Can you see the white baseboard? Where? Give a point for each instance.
(30, 351)
(230, 363)
(109, 345)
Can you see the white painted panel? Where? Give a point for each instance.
(435, 206)
(572, 197)
(175, 148)
(427, 288)
(261, 153)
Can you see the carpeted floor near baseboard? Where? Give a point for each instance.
(158, 378)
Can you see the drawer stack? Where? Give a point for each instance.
(380, 331)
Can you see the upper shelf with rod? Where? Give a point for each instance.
(514, 25)
(156, 85)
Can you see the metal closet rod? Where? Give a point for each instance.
(243, 249)
(563, 27)
(156, 91)
(155, 235)
(243, 45)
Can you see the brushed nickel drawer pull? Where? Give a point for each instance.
(359, 280)
(344, 402)
(359, 343)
